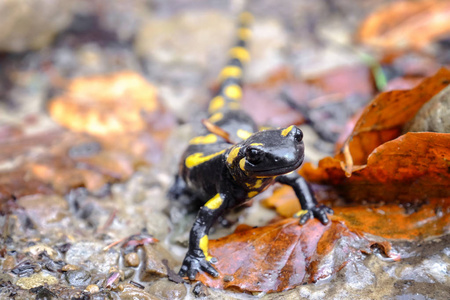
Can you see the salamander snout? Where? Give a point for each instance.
(296, 133)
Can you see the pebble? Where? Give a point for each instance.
(132, 259)
(78, 277)
(36, 280)
(40, 248)
(92, 288)
(70, 267)
(130, 292)
(154, 268)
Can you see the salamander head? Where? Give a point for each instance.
(268, 153)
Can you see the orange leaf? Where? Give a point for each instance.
(105, 105)
(284, 255)
(384, 117)
(388, 221)
(392, 222)
(410, 168)
(406, 24)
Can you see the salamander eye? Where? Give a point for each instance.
(298, 135)
(253, 155)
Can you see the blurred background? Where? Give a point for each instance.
(328, 47)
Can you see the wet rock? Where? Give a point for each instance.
(26, 268)
(154, 266)
(434, 115)
(131, 292)
(132, 259)
(165, 289)
(358, 276)
(33, 24)
(128, 273)
(104, 261)
(36, 208)
(80, 252)
(78, 277)
(43, 293)
(157, 225)
(92, 256)
(52, 265)
(36, 280)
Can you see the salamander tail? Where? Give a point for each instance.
(230, 92)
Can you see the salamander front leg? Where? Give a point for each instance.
(310, 207)
(197, 257)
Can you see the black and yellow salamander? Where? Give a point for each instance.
(233, 162)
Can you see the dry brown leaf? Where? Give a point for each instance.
(384, 117)
(412, 167)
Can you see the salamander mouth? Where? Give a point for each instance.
(276, 171)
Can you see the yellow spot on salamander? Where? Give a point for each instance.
(256, 144)
(286, 131)
(215, 202)
(233, 154)
(216, 117)
(258, 184)
(240, 53)
(243, 134)
(255, 185)
(206, 139)
(244, 33)
(233, 92)
(199, 158)
(252, 194)
(216, 103)
(246, 18)
(203, 245)
(300, 213)
(242, 164)
(230, 71)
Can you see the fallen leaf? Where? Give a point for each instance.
(284, 255)
(394, 222)
(384, 117)
(406, 24)
(128, 128)
(104, 105)
(390, 221)
(412, 167)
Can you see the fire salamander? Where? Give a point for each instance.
(233, 162)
